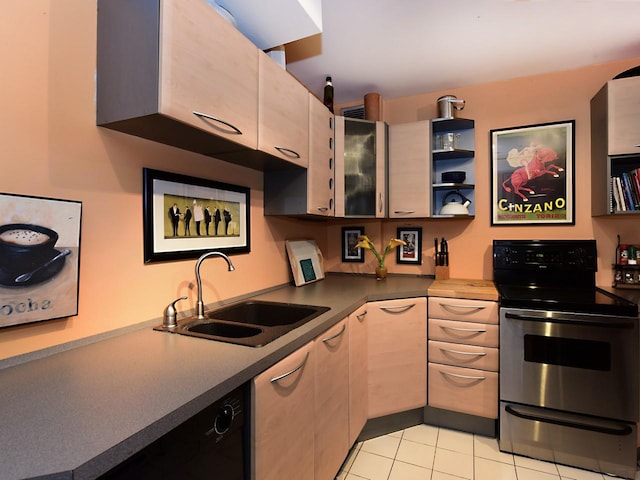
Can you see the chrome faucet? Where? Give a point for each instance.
(200, 304)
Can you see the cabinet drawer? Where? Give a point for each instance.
(461, 355)
(463, 309)
(463, 332)
(463, 390)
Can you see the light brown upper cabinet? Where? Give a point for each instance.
(176, 72)
(310, 191)
(623, 115)
(615, 146)
(410, 170)
(283, 114)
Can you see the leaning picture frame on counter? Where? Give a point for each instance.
(186, 216)
(532, 174)
(411, 253)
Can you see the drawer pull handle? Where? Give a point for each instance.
(323, 209)
(468, 307)
(332, 337)
(290, 372)
(404, 212)
(475, 354)
(235, 130)
(466, 377)
(287, 152)
(361, 315)
(397, 308)
(459, 329)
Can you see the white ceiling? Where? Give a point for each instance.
(406, 47)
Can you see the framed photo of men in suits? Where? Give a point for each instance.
(185, 216)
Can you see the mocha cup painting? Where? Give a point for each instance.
(39, 258)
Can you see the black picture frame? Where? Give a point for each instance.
(532, 174)
(411, 253)
(222, 211)
(349, 240)
(38, 281)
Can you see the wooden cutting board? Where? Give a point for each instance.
(464, 288)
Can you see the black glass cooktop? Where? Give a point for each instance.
(580, 300)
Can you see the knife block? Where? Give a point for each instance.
(442, 273)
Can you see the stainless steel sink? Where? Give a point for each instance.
(253, 323)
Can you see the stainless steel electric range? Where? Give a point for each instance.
(568, 358)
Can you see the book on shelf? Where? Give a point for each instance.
(625, 191)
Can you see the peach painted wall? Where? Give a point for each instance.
(51, 147)
(524, 101)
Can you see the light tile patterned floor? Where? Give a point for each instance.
(426, 452)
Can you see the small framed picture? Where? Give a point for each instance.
(350, 237)
(412, 251)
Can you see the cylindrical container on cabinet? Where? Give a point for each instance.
(372, 107)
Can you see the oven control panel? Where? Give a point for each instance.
(565, 256)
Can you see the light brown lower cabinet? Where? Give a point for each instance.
(283, 418)
(300, 408)
(463, 356)
(331, 401)
(397, 350)
(358, 395)
(464, 390)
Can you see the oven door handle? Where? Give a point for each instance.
(614, 322)
(614, 429)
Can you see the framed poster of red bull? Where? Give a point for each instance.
(532, 174)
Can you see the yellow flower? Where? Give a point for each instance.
(365, 242)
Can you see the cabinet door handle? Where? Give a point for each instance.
(475, 354)
(381, 203)
(404, 212)
(397, 308)
(457, 305)
(287, 152)
(290, 372)
(466, 377)
(332, 337)
(460, 329)
(323, 209)
(361, 315)
(235, 130)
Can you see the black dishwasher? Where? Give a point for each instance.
(210, 445)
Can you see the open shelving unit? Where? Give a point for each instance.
(458, 158)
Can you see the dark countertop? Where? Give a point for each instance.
(81, 411)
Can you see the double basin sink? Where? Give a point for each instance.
(253, 322)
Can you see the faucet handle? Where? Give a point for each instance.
(170, 314)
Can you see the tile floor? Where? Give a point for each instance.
(426, 452)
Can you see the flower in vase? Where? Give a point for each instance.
(365, 242)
